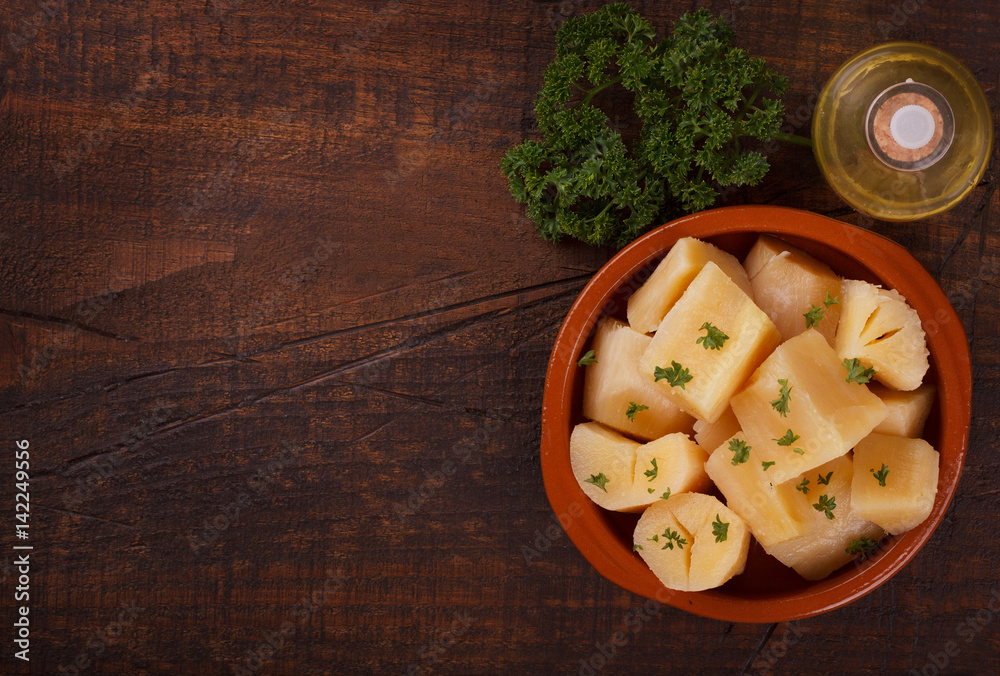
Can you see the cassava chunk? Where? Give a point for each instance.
(769, 510)
(824, 549)
(789, 285)
(715, 374)
(692, 542)
(622, 475)
(908, 411)
(878, 328)
(909, 468)
(614, 382)
(822, 417)
(650, 303)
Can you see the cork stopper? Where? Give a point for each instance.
(909, 126)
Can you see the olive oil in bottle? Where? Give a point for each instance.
(902, 131)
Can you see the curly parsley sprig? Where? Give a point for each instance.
(697, 98)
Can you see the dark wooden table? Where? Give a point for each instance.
(277, 334)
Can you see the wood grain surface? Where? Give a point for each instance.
(277, 336)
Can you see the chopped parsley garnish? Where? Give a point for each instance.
(719, 529)
(587, 359)
(634, 408)
(863, 546)
(855, 372)
(741, 451)
(804, 486)
(781, 403)
(636, 548)
(676, 375)
(651, 473)
(831, 300)
(673, 536)
(881, 474)
(598, 480)
(787, 440)
(826, 504)
(666, 494)
(813, 315)
(824, 480)
(715, 338)
(766, 464)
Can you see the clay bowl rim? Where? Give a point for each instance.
(589, 527)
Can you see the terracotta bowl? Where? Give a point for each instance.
(767, 591)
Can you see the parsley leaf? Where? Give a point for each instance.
(831, 301)
(826, 504)
(813, 315)
(714, 340)
(881, 474)
(863, 546)
(855, 372)
(766, 465)
(587, 359)
(787, 440)
(719, 529)
(651, 473)
(676, 375)
(598, 480)
(824, 480)
(697, 98)
(781, 403)
(741, 451)
(673, 536)
(804, 486)
(634, 408)
(636, 548)
(666, 494)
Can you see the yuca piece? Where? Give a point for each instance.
(828, 544)
(794, 289)
(650, 303)
(907, 411)
(769, 510)
(613, 384)
(798, 411)
(711, 435)
(622, 475)
(692, 542)
(895, 481)
(878, 328)
(708, 344)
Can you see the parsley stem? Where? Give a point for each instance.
(793, 138)
(599, 88)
